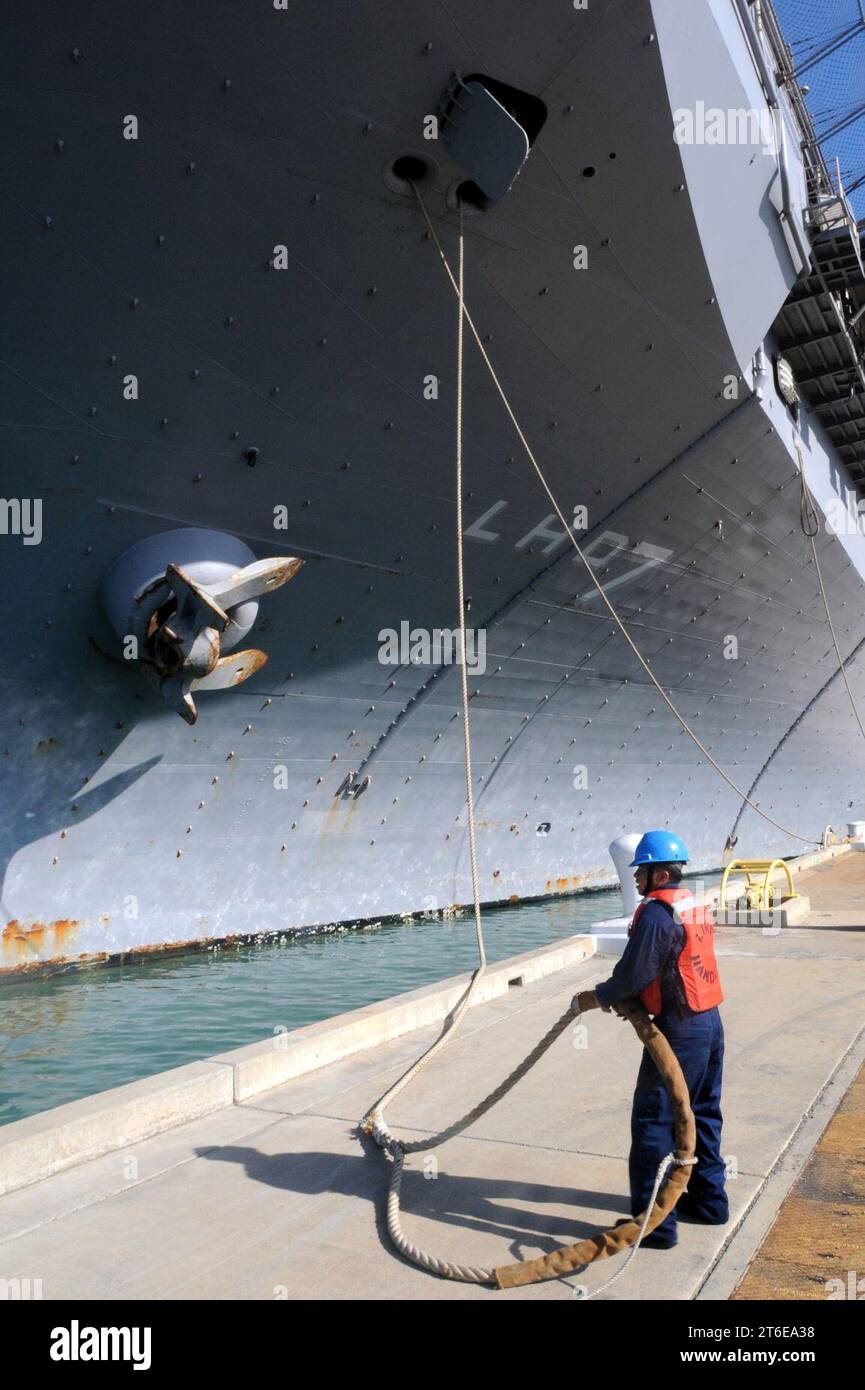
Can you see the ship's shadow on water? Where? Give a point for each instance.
(473, 1203)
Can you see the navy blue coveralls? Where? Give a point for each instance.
(697, 1039)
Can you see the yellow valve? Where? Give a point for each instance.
(759, 890)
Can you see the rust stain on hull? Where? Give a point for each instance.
(136, 953)
(22, 941)
(15, 931)
(338, 818)
(62, 930)
(24, 948)
(57, 962)
(569, 884)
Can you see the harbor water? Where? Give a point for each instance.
(71, 1034)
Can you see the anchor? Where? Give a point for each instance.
(183, 617)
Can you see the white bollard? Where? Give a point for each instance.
(621, 853)
(856, 833)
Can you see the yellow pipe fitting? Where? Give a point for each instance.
(759, 889)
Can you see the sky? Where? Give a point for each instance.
(837, 82)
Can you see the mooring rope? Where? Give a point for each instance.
(374, 1122)
(805, 839)
(461, 597)
(609, 1242)
(659, 1178)
(605, 1243)
(398, 1148)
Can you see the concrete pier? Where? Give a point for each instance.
(270, 1194)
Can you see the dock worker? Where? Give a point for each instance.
(669, 965)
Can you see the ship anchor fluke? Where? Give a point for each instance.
(185, 612)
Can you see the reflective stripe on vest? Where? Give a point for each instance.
(698, 969)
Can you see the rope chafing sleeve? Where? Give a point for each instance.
(611, 1242)
(667, 1190)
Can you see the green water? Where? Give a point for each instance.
(70, 1035)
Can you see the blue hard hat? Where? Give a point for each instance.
(660, 847)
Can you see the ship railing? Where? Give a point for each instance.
(774, 64)
(832, 210)
(818, 177)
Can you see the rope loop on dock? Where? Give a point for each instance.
(564, 1261)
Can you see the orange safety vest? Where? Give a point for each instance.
(698, 968)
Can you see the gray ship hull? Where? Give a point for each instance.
(122, 828)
